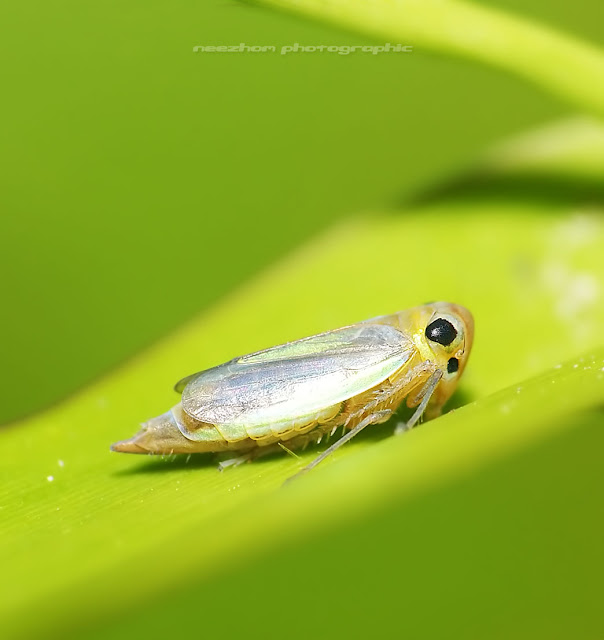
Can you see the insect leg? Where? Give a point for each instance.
(378, 416)
(235, 462)
(250, 455)
(425, 394)
(386, 398)
(288, 451)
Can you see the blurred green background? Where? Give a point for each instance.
(141, 181)
(255, 198)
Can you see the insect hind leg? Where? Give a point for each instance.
(248, 456)
(374, 418)
(235, 462)
(425, 393)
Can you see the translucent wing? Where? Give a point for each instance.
(298, 378)
(179, 387)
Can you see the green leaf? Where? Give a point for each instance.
(86, 532)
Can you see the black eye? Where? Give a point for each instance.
(452, 365)
(441, 331)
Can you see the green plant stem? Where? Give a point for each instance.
(565, 66)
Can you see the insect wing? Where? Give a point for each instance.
(298, 378)
(179, 387)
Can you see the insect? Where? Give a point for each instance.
(299, 392)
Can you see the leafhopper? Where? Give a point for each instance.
(300, 392)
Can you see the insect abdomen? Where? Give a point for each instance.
(162, 435)
(249, 436)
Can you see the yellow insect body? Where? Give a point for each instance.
(298, 392)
